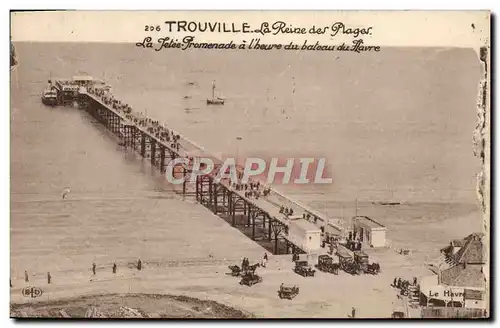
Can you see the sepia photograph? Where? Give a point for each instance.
(250, 165)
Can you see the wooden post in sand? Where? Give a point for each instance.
(249, 214)
(269, 236)
(162, 158)
(215, 189)
(277, 228)
(143, 144)
(233, 207)
(153, 151)
(184, 171)
(253, 225)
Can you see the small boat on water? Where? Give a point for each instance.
(214, 100)
(49, 96)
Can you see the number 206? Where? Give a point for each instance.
(149, 28)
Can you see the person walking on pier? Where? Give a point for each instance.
(26, 278)
(264, 260)
(353, 312)
(49, 278)
(114, 267)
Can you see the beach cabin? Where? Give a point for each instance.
(369, 232)
(305, 234)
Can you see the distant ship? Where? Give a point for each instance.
(49, 95)
(215, 101)
(389, 203)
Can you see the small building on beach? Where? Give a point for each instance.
(369, 232)
(305, 234)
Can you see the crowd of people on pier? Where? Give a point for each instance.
(152, 126)
(287, 212)
(252, 189)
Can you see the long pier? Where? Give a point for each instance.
(160, 144)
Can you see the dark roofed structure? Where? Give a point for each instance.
(464, 276)
(472, 251)
(458, 242)
(467, 269)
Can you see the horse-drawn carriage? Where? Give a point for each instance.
(404, 251)
(326, 264)
(347, 263)
(304, 269)
(249, 278)
(362, 259)
(288, 292)
(373, 268)
(236, 271)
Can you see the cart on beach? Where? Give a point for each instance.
(249, 279)
(235, 270)
(288, 292)
(348, 264)
(326, 264)
(362, 259)
(304, 269)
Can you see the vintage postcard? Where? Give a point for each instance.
(258, 164)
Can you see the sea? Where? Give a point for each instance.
(395, 125)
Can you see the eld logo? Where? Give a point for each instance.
(32, 292)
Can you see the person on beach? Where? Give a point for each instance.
(353, 312)
(49, 278)
(114, 267)
(93, 268)
(65, 192)
(414, 281)
(139, 265)
(26, 278)
(399, 283)
(395, 282)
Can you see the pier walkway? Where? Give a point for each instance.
(160, 144)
